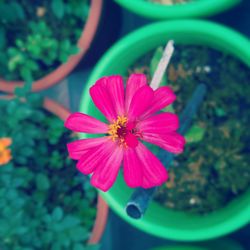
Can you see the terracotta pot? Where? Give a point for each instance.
(102, 207)
(62, 71)
(100, 221)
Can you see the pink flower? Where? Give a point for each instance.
(132, 117)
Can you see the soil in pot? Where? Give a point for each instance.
(214, 167)
(36, 38)
(44, 204)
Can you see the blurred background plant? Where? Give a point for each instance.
(44, 204)
(36, 38)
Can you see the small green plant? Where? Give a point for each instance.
(44, 203)
(36, 38)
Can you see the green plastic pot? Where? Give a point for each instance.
(188, 247)
(197, 8)
(181, 248)
(226, 243)
(160, 221)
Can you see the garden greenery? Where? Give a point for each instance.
(44, 203)
(35, 38)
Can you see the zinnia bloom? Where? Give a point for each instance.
(132, 117)
(5, 153)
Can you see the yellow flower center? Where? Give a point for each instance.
(118, 130)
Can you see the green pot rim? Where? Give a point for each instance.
(190, 10)
(193, 32)
(222, 243)
(186, 247)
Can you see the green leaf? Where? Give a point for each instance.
(79, 246)
(57, 214)
(195, 134)
(32, 65)
(21, 230)
(18, 10)
(47, 237)
(65, 45)
(74, 50)
(26, 74)
(69, 222)
(154, 63)
(23, 91)
(42, 182)
(57, 7)
(26, 151)
(6, 13)
(169, 108)
(78, 233)
(2, 38)
(21, 160)
(15, 61)
(220, 112)
(92, 247)
(63, 57)
(56, 246)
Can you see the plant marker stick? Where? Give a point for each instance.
(162, 66)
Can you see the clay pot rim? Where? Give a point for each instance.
(101, 207)
(63, 70)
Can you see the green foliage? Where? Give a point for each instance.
(11, 12)
(2, 38)
(57, 7)
(195, 134)
(37, 38)
(44, 203)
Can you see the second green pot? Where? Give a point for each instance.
(196, 8)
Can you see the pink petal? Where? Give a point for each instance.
(171, 142)
(132, 168)
(79, 122)
(160, 124)
(92, 158)
(135, 81)
(131, 125)
(140, 102)
(163, 97)
(77, 148)
(116, 92)
(154, 173)
(101, 98)
(107, 171)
